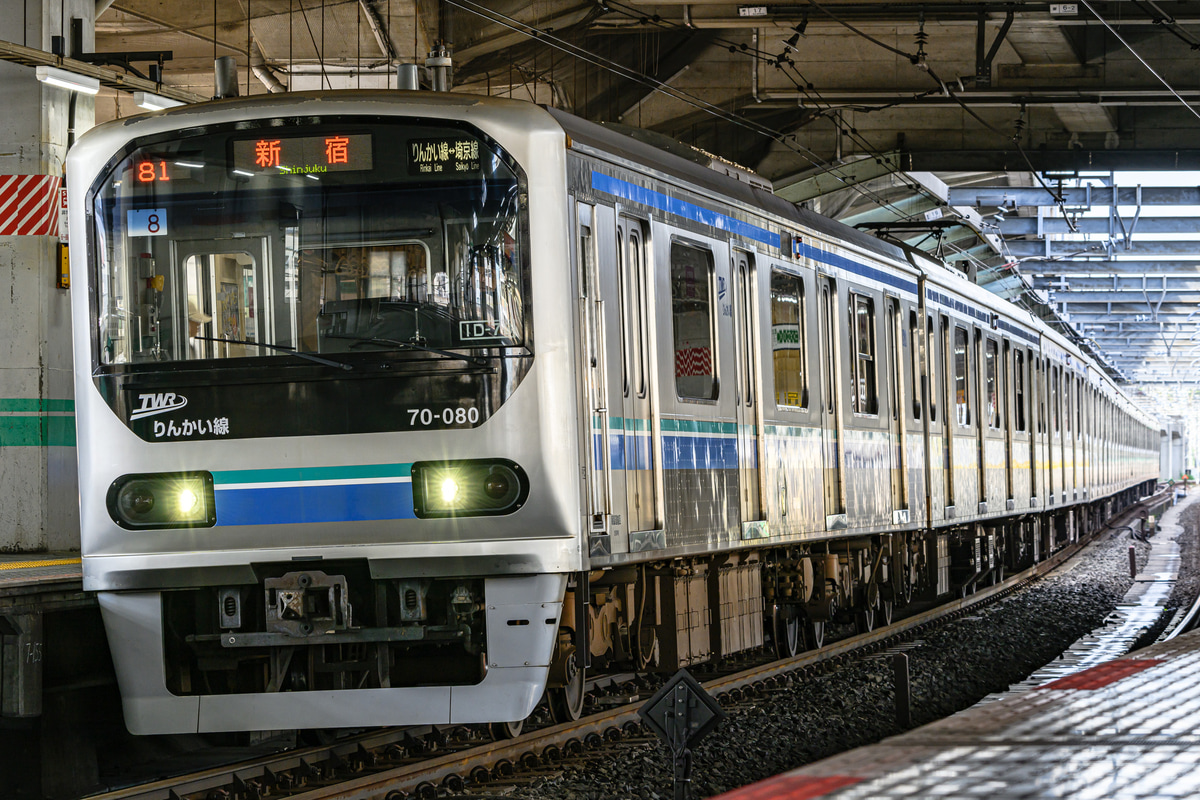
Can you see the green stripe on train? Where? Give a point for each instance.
(356, 472)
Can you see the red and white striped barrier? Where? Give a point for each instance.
(29, 205)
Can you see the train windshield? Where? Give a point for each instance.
(337, 237)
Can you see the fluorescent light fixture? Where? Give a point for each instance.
(243, 172)
(189, 164)
(67, 80)
(154, 102)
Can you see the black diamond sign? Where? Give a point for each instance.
(682, 713)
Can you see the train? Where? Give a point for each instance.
(417, 408)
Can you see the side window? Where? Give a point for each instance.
(962, 386)
(862, 349)
(992, 357)
(1019, 389)
(691, 322)
(788, 346)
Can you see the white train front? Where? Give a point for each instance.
(380, 394)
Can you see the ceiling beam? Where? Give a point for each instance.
(1014, 196)
(1038, 226)
(1031, 267)
(1063, 249)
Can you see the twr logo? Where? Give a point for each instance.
(158, 403)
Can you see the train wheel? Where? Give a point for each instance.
(506, 730)
(887, 612)
(816, 635)
(566, 702)
(786, 634)
(864, 619)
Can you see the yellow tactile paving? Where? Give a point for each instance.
(57, 562)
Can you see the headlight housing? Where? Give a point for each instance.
(163, 500)
(468, 488)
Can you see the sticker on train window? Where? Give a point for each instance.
(147, 222)
(479, 329)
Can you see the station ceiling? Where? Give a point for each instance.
(986, 132)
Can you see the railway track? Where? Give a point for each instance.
(395, 764)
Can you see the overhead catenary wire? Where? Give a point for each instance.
(786, 140)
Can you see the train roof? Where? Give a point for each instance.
(670, 162)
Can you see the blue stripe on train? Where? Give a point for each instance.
(283, 505)
(679, 452)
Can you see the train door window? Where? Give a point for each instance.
(788, 346)
(962, 385)
(931, 368)
(914, 367)
(1069, 401)
(993, 388)
(636, 281)
(222, 303)
(1041, 395)
(692, 322)
(862, 345)
(1079, 410)
(1019, 390)
(623, 313)
(1055, 413)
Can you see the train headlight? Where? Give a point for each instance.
(163, 500)
(468, 488)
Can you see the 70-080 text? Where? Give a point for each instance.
(428, 417)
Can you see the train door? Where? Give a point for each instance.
(591, 317)
(227, 296)
(641, 466)
(951, 414)
(893, 336)
(1008, 420)
(746, 398)
(979, 383)
(831, 418)
(1056, 454)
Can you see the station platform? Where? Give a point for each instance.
(41, 581)
(1089, 725)
(1128, 728)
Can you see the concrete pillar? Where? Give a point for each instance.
(39, 498)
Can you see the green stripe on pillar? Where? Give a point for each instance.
(37, 431)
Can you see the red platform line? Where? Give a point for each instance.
(791, 787)
(1103, 675)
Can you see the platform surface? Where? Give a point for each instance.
(1128, 728)
(1085, 726)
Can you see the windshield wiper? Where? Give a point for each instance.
(381, 341)
(281, 348)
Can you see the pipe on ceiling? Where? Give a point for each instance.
(258, 66)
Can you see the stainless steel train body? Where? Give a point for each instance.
(396, 408)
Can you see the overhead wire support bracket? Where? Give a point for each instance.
(983, 63)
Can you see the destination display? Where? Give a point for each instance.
(304, 155)
(447, 155)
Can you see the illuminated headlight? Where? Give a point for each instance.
(164, 500)
(470, 488)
